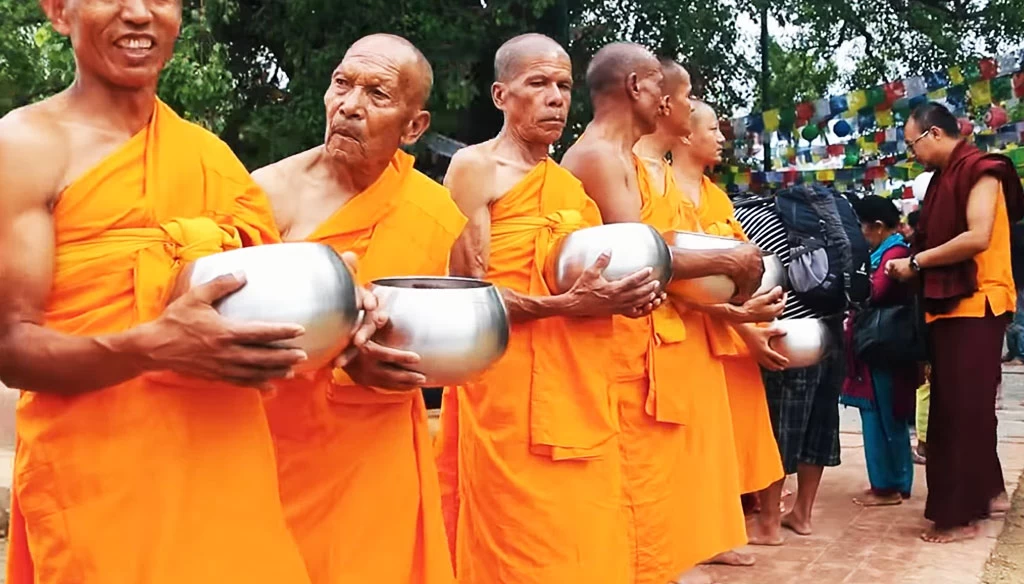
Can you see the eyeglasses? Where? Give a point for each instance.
(912, 143)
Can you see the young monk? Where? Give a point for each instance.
(961, 253)
(650, 358)
(737, 343)
(358, 481)
(538, 486)
(128, 467)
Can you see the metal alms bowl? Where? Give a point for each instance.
(807, 341)
(633, 246)
(300, 283)
(718, 289)
(458, 326)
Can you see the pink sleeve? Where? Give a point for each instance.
(882, 285)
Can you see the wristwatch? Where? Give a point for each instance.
(913, 263)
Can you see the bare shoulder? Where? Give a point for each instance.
(33, 155)
(278, 181)
(470, 174)
(586, 156)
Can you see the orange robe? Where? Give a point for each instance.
(162, 479)
(358, 480)
(756, 450)
(537, 487)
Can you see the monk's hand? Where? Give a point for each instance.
(592, 295)
(758, 341)
(382, 367)
(899, 269)
(372, 320)
(764, 307)
(192, 338)
(745, 269)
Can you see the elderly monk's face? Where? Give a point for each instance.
(706, 139)
(374, 103)
(124, 43)
(536, 99)
(678, 110)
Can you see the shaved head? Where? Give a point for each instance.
(416, 70)
(675, 75)
(517, 50)
(702, 112)
(611, 66)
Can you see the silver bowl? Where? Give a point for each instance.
(718, 289)
(633, 247)
(806, 342)
(290, 283)
(458, 326)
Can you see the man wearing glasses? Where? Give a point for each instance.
(961, 253)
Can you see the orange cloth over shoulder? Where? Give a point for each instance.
(162, 479)
(708, 514)
(358, 480)
(756, 450)
(538, 488)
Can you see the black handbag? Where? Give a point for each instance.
(888, 336)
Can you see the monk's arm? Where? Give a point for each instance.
(981, 215)
(470, 255)
(32, 357)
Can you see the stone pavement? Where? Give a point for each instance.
(880, 545)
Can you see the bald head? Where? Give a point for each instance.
(517, 51)
(613, 64)
(415, 70)
(702, 113)
(675, 75)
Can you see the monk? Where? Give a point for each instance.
(961, 253)
(358, 481)
(143, 452)
(538, 488)
(651, 365)
(740, 345)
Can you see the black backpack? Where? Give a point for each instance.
(829, 256)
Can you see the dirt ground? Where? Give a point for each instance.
(1006, 566)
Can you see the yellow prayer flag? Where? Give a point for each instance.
(956, 76)
(857, 100)
(771, 120)
(884, 118)
(981, 92)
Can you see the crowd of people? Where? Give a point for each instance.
(613, 443)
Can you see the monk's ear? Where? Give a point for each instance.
(633, 86)
(56, 11)
(498, 94)
(416, 127)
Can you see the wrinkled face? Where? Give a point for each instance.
(536, 101)
(706, 139)
(649, 95)
(373, 105)
(922, 143)
(678, 109)
(122, 42)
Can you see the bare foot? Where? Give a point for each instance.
(732, 558)
(1000, 504)
(796, 524)
(870, 499)
(695, 576)
(936, 535)
(760, 534)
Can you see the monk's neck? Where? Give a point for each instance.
(654, 146)
(689, 173)
(123, 109)
(614, 122)
(511, 145)
(947, 153)
(349, 178)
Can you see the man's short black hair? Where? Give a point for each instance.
(935, 115)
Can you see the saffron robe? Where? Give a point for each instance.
(757, 453)
(358, 481)
(709, 506)
(538, 489)
(162, 479)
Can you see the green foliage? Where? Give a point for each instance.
(254, 71)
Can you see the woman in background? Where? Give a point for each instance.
(884, 395)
